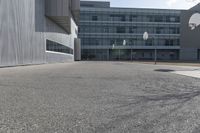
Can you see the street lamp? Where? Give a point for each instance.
(145, 37)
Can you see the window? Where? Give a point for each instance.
(151, 55)
(158, 19)
(173, 19)
(169, 42)
(150, 18)
(115, 17)
(143, 55)
(121, 29)
(112, 42)
(132, 18)
(94, 18)
(57, 47)
(119, 41)
(170, 19)
(95, 42)
(172, 30)
(106, 30)
(159, 30)
(149, 42)
(133, 41)
(133, 29)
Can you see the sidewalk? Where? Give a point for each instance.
(191, 73)
(172, 63)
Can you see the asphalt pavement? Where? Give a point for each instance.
(98, 97)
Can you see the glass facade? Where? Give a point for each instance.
(103, 32)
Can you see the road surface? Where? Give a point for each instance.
(98, 97)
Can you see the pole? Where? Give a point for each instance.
(155, 55)
(131, 55)
(119, 55)
(108, 54)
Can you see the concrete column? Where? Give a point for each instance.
(77, 49)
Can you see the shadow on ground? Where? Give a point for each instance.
(163, 70)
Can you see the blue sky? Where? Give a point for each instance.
(171, 4)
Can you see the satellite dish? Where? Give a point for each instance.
(194, 21)
(145, 36)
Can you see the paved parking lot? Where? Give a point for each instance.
(98, 97)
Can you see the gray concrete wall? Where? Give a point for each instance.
(54, 57)
(19, 43)
(57, 8)
(190, 39)
(59, 12)
(57, 34)
(77, 49)
(23, 33)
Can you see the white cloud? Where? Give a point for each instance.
(171, 2)
(181, 4)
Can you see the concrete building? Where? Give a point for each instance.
(38, 31)
(110, 33)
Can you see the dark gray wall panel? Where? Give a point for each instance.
(188, 54)
(190, 40)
